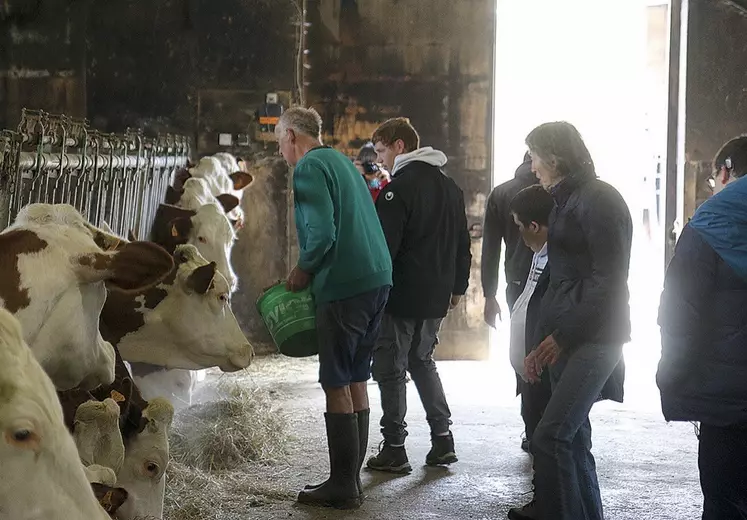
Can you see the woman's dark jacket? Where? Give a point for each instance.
(589, 242)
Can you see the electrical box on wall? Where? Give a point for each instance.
(268, 115)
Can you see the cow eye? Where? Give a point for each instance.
(223, 298)
(21, 435)
(202, 239)
(151, 469)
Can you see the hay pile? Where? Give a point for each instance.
(221, 452)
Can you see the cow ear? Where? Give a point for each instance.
(241, 180)
(173, 195)
(180, 227)
(134, 267)
(201, 278)
(131, 236)
(181, 175)
(228, 201)
(110, 498)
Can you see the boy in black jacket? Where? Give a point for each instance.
(423, 216)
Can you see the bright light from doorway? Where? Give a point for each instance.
(599, 65)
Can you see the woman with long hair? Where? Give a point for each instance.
(585, 320)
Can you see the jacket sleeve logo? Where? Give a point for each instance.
(389, 195)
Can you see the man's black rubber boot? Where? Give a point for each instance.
(341, 489)
(442, 450)
(363, 422)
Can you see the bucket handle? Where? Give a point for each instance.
(273, 284)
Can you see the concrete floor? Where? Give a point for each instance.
(647, 468)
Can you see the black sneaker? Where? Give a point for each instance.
(527, 512)
(442, 450)
(390, 459)
(526, 445)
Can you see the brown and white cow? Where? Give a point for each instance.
(43, 478)
(206, 228)
(184, 322)
(55, 269)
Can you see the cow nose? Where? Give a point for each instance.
(242, 358)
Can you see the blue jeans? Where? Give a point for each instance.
(565, 471)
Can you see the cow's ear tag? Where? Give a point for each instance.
(117, 397)
(174, 232)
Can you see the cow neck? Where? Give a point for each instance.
(144, 369)
(13, 244)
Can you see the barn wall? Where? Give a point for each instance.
(201, 67)
(716, 107)
(429, 60)
(42, 58)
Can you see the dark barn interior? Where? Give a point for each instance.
(204, 68)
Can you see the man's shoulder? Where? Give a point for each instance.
(327, 160)
(324, 155)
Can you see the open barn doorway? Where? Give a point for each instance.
(601, 65)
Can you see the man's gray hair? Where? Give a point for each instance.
(302, 121)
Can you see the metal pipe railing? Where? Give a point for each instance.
(117, 178)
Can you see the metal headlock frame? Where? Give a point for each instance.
(119, 179)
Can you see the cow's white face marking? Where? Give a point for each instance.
(213, 237)
(38, 455)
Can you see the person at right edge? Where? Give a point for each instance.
(584, 320)
(702, 374)
(423, 216)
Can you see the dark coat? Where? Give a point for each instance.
(424, 220)
(702, 374)
(589, 245)
(499, 226)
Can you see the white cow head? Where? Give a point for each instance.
(43, 478)
(143, 474)
(54, 271)
(222, 175)
(206, 228)
(196, 193)
(186, 322)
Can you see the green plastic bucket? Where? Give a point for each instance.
(291, 319)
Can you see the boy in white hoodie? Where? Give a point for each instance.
(423, 216)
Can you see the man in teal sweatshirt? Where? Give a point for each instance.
(344, 256)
